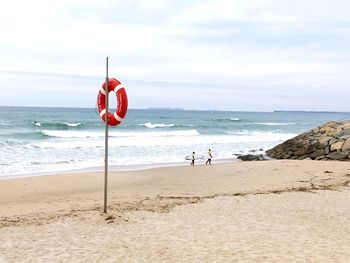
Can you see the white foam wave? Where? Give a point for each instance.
(73, 124)
(156, 125)
(71, 134)
(235, 119)
(68, 153)
(275, 123)
(90, 134)
(258, 134)
(159, 141)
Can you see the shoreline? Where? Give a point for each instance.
(116, 168)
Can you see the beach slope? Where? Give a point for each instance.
(252, 211)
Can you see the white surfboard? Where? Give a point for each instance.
(196, 157)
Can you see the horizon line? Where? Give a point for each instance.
(181, 109)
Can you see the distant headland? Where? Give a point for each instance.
(305, 111)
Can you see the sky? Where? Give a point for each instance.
(206, 55)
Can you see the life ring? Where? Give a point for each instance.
(122, 102)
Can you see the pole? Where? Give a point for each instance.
(106, 141)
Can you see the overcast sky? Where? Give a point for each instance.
(208, 54)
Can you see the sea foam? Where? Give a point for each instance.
(91, 134)
(156, 125)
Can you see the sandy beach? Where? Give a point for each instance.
(277, 211)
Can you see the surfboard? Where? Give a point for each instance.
(196, 157)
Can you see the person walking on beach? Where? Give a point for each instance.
(193, 157)
(209, 157)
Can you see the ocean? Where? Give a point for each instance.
(36, 141)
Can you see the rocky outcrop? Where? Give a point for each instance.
(331, 141)
(251, 157)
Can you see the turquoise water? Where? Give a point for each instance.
(46, 140)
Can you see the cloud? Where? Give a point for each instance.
(155, 45)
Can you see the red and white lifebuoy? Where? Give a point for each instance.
(122, 102)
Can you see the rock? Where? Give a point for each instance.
(317, 153)
(311, 149)
(325, 129)
(324, 140)
(337, 146)
(337, 155)
(287, 156)
(346, 146)
(343, 133)
(251, 157)
(327, 150)
(312, 142)
(346, 126)
(316, 130)
(300, 151)
(330, 141)
(321, 157)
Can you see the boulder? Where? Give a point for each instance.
(337, 146)
(317, 153)
(324, 140)
(337, 155)
(346, 146)
(251, 157)
(327, 150)
(343, 134)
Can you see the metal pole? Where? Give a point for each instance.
(106, 141)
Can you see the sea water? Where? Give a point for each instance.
(47, 140)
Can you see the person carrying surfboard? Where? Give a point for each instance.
(193, 158)
(209, 157)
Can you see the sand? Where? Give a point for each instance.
(276, 211)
